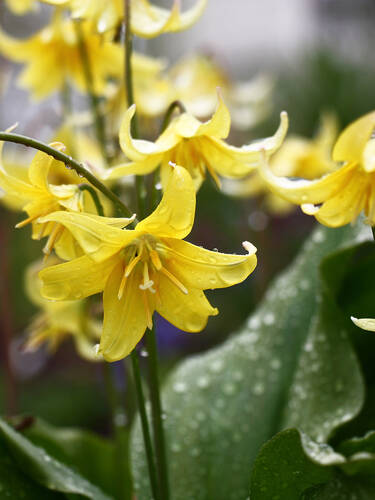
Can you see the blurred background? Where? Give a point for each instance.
(319, 56)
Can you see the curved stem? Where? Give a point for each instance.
(69, 162)
(168, 114)
(94, 99)
(157, 413)
(139, 180)
(145, 427)
(94, 196)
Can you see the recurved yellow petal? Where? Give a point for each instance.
(189, 312)
(352, 141)
(364, 323)
(125, 320)
(219, 125)
(149, 21)
(76, 279)
(95, 236)
(200, 268)
(174, 216)
(305, 191)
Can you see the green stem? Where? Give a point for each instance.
(145, 428)
(139, 180)
(70, 162)
(157, 412)
(94, 196)
(118, 426)
(168, 114)
(94, 99)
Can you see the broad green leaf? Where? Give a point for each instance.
(15, 485)
(222, 406)
(291, 466)
(38, 465)
(87, 453)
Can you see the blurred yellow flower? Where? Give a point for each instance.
(20, 6)
(297, 157)
(147, 20)
(56, 321)
(47, 186)
(150, 268)
(194, 81)
(338, 197)
(52, 57)
(196, 146)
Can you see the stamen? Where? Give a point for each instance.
(155, 259)
(147, 283)
(132, 265)
(148, 311)
(174, 280)
(26, 221)
(43, 227)
(53, 237)
(122, 285)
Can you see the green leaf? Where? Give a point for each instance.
(87, 453)
(15, 485)
(43, 469)
(223, 405)
(291, 466)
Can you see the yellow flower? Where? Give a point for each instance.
(147, 20)
(338, 197)
(52, 57)
(57, 321)
(196, 146)
(297, 157)
(20, 6)
(150, 268)
(46, 187)
(194, 82)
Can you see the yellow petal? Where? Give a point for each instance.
(345, 205)
(40, 167)
(352, 141)
(92, 232)
(304, 191)
(142, 167)
(149, 21)
(76, 279)
(189, 312)
(230, 161)
(364, 323)
(125, 320)
(174, 216)
(202, 269)
(219, 125)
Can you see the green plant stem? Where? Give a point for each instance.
(94, 196)
(145, 427)
(94, 99)
(118, 428)
(139, 180)
(70, 162)
(157, 414)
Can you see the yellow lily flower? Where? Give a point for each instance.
(57, 321)
(147, 20)
(297, 157)
(52, 57)
(195, 145)
(338, 197)
(150, 268)
(20, 6)
(46, 187)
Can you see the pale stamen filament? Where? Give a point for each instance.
(122, 285)
(26, 221)
(148, 310)
(53, 237)
(174, 280)
(132, 264)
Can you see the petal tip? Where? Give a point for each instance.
(249, 247)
